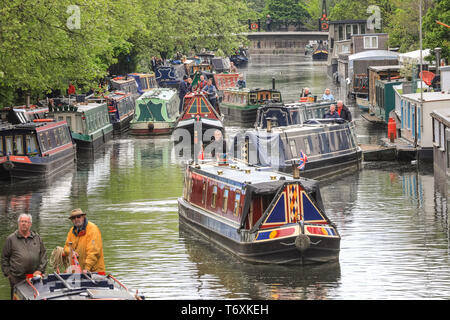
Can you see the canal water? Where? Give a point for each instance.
(393, 219)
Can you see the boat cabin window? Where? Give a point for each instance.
(225, 200)
(293, 148)
(144, 83)
(31, 144)
(214, 197)
(307, 146)
(8, 145)
(1, 146)
(204, 192)
(18, 145)
(276, 97)
(237, 203)
(253, 98)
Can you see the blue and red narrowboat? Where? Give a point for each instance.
(39, 149)
(257, 214)
(121, 108)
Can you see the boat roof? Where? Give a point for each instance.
(158, 93)
(117, 95)
(442, 115)
(428, 96)
(374, 55)
(385, 68)
(5, 126)
(241, 173)
(89, 106)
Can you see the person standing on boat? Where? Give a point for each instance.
(306, 93)
(71, 89)
(343, 111)
(211, 90)
(201, 83)
(182, 91)
(233, 68)
(23, 253)
(85, 239)
(328, 95)
(241, 82)
(332, 114)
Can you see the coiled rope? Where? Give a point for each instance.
(58, 261)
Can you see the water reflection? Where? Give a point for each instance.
(393, 219)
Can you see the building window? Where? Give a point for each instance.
(348, 32)
(370, 42)
(442, 136)
(362, 27)
(341, 32)
(355, 29)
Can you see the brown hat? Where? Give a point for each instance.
(76, 212)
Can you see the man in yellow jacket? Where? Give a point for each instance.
(85, 239)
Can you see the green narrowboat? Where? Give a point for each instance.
(88, 122)
(156, 112)
(240, 105)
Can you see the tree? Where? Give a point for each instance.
(436, 35)
(287, 10)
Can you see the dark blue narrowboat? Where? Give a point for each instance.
(121, 108)
(330, 147)
(257, 214)
(145, 81)
(281, 114)
(35, 150)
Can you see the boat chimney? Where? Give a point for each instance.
(273, 83)
(437, 52)
(295, 171)
(269, 125)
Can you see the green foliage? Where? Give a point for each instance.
(436, 35)
(41, 50)
(286, 9)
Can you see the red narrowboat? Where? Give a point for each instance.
(260, 215)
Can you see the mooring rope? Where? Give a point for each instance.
(58, 261)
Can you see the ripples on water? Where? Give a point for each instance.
(393, 220)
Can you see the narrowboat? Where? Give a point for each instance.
(416, 122)
(23, 114)
(38, 149)
(281, 114)
(124, 84)
(121, 107)
(320, 53)
(259, 215)
(170, 75)
(73, 286)
(89, 123)
(381, 94)
(156, 113)
(198, 122)
(330, 145)
(145, 81)
(240, 105)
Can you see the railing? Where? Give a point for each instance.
(260, 25)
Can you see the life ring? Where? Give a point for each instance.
(302, 242)
(254, 26)
(324, 26)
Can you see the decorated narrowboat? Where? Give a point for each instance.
(156, 113)
(73, 286)
(259, 215)
(170, 75)
(121, 107)
(39, 149)
(145, 81)
(326, 146)
(240, 106)
(23, 114)
(198, 122)
(89, 122)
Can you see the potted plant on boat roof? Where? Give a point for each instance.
(406, 71)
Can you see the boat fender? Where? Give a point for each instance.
(151, 126)
(8, 165)
(302, 242)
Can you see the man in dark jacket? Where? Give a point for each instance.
(183, 90)
(343, 111)
(332, 114)
(23, 253)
